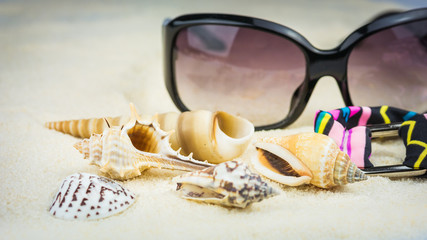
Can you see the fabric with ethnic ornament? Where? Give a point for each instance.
(347, 126)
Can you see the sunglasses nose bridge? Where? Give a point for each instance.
(327, 63)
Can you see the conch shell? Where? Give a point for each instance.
(321, 162)
(124, 152)
(230, 184)
(216, 137)
(84, 196)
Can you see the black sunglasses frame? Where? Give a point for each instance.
(319, 63)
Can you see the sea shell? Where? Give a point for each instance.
(84, 128)
(319, 153)
(229, 184)
(124, 152)
(216, 137)
(88, 196)
(277, 163)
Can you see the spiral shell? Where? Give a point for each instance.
(216, 137)
(319, 153)
(124, 152)
(84, 128)
(230, 184)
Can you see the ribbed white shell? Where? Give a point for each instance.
(124, 152)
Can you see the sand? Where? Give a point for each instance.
(68, 60)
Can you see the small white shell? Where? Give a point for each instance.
(87, 196)
(229, 184)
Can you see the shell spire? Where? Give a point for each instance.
(125, 152)
(84, 128)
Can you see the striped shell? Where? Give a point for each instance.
(86, 196)
(229, 184)
(124, 152)
(84, 128)
(216, 137)
(317, 153)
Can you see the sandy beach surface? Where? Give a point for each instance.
(64, 60)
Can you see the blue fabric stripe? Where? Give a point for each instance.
(346, 113)
(319, 120)
(409, 115)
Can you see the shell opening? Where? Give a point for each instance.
(276, 163)
(280, 165)
(231, 125)
(195, 192)
(143, 138)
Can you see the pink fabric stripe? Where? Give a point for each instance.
(354, 110)
(425, 115)
(337, 133)
(349, 144)
(335, 113)
(358, 143)
(366, 114)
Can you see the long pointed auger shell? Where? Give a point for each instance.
(124, 152)
(84, 196)
(84, 128)
(229, 184)
(216, 137)
(320, 154)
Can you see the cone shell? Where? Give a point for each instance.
(329, 166)
(216, 137)
(124, 152)
(230, 184)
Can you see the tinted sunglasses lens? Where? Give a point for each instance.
(390, 68)
(240, 70)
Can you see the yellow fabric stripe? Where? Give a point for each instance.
(383, 111)
(410, 129)
(420, 159)
(324, 122)
(415, 142)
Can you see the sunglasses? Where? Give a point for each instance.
(266, 72)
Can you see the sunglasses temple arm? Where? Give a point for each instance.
(390, 130)
(394, 171)
(384, 130)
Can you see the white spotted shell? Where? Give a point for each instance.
(86, 196)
